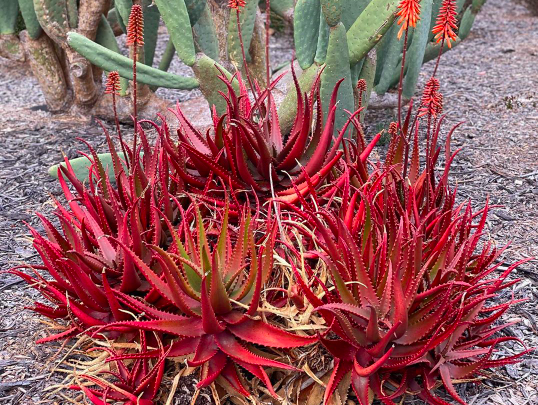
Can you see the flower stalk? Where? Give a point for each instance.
(135, 39)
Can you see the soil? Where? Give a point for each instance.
(489, 81)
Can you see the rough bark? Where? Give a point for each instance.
(10, 47)
(152, 106)
(84, 86)
(47, 69)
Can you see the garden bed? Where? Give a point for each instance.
(487, 81)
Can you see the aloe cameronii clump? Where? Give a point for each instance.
(385, 266)
(85, 256)
(408, 299)
(136, 379)
(247, 152)
(212, 291)
(408, 302)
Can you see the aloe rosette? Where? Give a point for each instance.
(83, 255)
(408, 303)
(136, 381)
(215, 289)
(244, 152)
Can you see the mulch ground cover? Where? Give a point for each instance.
(490, 81)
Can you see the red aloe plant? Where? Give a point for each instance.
(409, 307)
(245, 153)
(213, 288)
(84, 255)
(136, 381)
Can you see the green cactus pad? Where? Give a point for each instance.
(195, 8)
(390, 61)
(114, 17)
(477, 5)
(323, 40)
(247, 18)
(415, 53)
(8, 16)
(332, 10)
(109, 60)
(306, 27)
(208, 74)
(123, 8)
(52, 17)
(151, 28)
(351, 10)
(467, 22)
(336, 68)
(205, 36)
(30, 18)
(356, 70)
(436, 6)
(81, 165)
(369, 28)
(382, 50)
(282, 7)
(105, 37)
(176, 18)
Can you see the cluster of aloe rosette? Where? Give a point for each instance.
(254, 256)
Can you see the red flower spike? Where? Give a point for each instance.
(112, 83)
(409, 15)
(236, 4)
(361, 85)
(432, 100)
(135, 27)
(446, 23)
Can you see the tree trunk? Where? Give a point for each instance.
(47, 69)
(84, 85)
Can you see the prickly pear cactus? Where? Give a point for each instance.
(57, 18)
(335, 35)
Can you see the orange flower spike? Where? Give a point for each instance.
(446, 23)
(112, 83)
(409, 15)
(135, 28)
(237, 4)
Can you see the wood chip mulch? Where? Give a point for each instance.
(490, 81)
